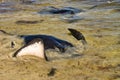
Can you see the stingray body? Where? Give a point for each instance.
(50, 42)
(37, 44)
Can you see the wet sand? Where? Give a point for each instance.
(100, 24)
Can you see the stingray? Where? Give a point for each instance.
(34, 47)
(64, 10)
(49, 42)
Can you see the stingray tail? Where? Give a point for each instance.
(78, 35)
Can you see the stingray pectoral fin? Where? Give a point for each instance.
(35, 48)
(60, 46)
(78, 35)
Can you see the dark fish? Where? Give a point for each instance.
(78, 35)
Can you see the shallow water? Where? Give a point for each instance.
(100, 24)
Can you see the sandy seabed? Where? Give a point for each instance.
(100, 24)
